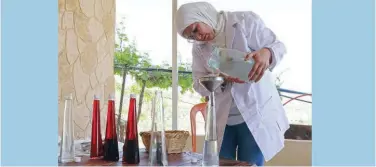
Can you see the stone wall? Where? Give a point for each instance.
(86, 52)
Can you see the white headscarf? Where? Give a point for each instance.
(190, 13)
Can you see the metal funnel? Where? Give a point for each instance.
(211, 82)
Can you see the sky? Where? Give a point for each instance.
(149, 22)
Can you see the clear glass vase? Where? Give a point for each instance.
(210, 152)
(67, 139)
(157, 150)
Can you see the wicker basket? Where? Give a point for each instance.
(175, 140)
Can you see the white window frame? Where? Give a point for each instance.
(175, 93)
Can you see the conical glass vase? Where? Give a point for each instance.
(157, 150)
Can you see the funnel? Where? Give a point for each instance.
(210, 152)
(211, 82)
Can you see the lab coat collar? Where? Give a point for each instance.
(234, 18)
(232, 21)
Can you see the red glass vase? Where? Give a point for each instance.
(96, 149)
(131, 153)
(111, 149)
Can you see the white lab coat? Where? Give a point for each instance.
(259, 103)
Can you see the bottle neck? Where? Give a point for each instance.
(111, 126)
(131, 132)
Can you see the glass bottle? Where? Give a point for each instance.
(158, 152)
(96, 149)
(131, 149)
(230, 62)
(210, 152)
(67, 141)
(111, 149)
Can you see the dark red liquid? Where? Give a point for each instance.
(96, 150)
(111, 150)
(131, 148)
(131, 154)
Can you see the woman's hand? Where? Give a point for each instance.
(231, 79)
(262, 60)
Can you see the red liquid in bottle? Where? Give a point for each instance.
(111, 149)
(96, 150)
(131, 153)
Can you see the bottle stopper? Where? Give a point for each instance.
(133, 95)
(69, 96)
(96, 97)
(111, 96)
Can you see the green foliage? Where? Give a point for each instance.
(118, 86)
(202, 99)
(128, 56)
(129, 61)
(158, 79)
(148, 94)
(185, 80)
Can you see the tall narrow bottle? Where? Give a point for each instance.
(96, 150)
(158, 152)
(111, 149)
(67, 140)
(131, 153)
(210, 152)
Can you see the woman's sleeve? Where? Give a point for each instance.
(198, 71)
(259, 36)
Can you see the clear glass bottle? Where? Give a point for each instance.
(210, 152)
(157, 150)
(67, 139)
(230, 62)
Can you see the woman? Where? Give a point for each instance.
(251, 121)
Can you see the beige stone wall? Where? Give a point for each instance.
(86, 52)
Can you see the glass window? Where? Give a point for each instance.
(147, 25)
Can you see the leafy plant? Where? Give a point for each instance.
(130, 61)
